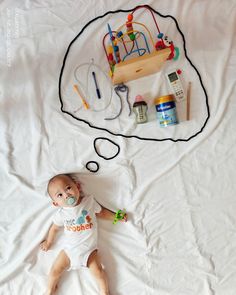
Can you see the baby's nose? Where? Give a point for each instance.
(66, 195)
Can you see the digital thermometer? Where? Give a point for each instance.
(176, 85)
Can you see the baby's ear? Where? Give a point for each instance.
(78, 185)
(55, 204)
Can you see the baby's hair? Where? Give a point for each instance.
(73, 177)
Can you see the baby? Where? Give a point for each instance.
(77, 213)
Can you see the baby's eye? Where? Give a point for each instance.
(68, 187)
(59, 195)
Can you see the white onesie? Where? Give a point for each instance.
(80, 228)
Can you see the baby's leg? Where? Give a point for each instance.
(61, 263)
(96, 268)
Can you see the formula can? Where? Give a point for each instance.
(166, 110)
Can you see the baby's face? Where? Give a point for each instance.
(64, 191)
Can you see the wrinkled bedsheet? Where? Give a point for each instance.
(180, 238)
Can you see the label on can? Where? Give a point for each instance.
(166, 113)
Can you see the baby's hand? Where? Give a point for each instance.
(125, 218)
(45, 245)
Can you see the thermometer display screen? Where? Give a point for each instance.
(173, 77)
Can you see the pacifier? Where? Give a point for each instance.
(71, 200)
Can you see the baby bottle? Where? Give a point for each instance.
(140, 109)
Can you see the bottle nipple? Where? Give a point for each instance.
(138, 98)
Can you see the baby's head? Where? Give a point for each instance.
(64, 191)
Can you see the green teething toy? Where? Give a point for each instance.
(119, 215)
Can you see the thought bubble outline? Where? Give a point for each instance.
(134, 136)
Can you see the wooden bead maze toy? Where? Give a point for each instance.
(137, 59)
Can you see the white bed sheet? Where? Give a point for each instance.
(180, 197)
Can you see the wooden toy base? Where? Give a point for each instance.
(140, 66)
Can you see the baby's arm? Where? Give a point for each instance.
(46, 244)
(109, 215)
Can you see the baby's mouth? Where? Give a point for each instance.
(71, 200)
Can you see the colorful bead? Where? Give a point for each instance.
(120, 34)
(129, 25)
(130, 17)
(110, 56)
(110, 49)
(132, 37)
